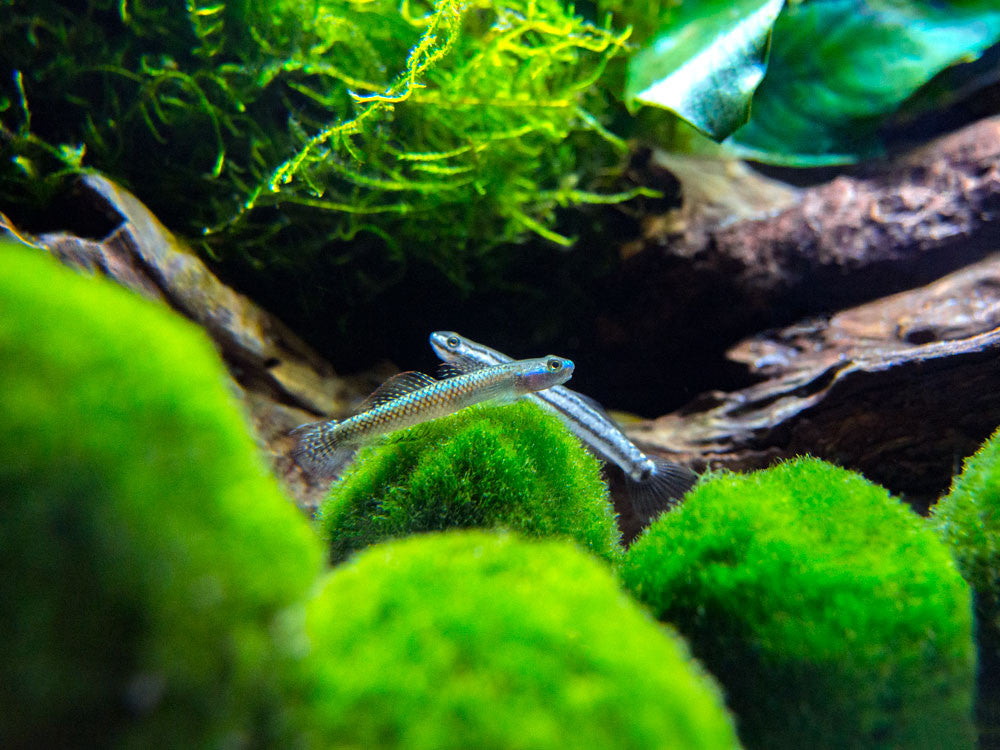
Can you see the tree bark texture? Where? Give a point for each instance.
(901, 389)
(695, 286)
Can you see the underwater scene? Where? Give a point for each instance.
(528, 374)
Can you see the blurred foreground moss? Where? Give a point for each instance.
(477, 640)
(147, 555)
(514, 467)
(833, 617)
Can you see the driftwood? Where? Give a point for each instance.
(693, 285)
(901, 389)
(282, 382)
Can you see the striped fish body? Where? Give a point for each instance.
(654, 484)
(412, 397)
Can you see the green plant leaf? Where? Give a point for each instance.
(707, 63)
(838, 67)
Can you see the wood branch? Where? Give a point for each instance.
(280, 379)
(901, 389)
(696, 286)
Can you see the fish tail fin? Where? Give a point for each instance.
(316, 449)
(663, 489)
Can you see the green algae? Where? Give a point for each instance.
(150, 563)
(436, 131)
(473, 639)
(832, 616)
(514, 467)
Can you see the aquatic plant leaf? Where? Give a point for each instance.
(362, 135)
(839, 67)
(706, 63)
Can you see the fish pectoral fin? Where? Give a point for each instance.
(394, 387)
(506, 398)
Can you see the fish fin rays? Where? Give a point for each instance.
(447, 370)
(459, 365)
(662, 491)
(504, 399)
(394, 387)
(316, 452)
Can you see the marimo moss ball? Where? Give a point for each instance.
(968, 520)
(484, 640)
(147, 557)
(514, 467)
(830, 614)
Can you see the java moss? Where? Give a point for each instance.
(475, 639)
(968, 520)
(514, 467)
(832, 616)
(434, 130)
(148, 557)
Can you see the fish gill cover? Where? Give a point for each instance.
(830, 613)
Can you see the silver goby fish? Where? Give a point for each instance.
(412, 397)
(654, 484)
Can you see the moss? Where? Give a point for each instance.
(148, 557)
(434, 130)
(472, 639)
(827, 609)
(513, 467)
(968, 520)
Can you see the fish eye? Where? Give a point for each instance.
(453, 342)
(555, 365)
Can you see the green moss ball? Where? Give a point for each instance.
(514, 467)
(832, 616)
(968, 520)
(482, 640)
(147, 556)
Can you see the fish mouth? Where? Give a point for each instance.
(564, 374)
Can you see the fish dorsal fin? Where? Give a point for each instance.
(458, 366)
(447, 370)
(396, 386)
